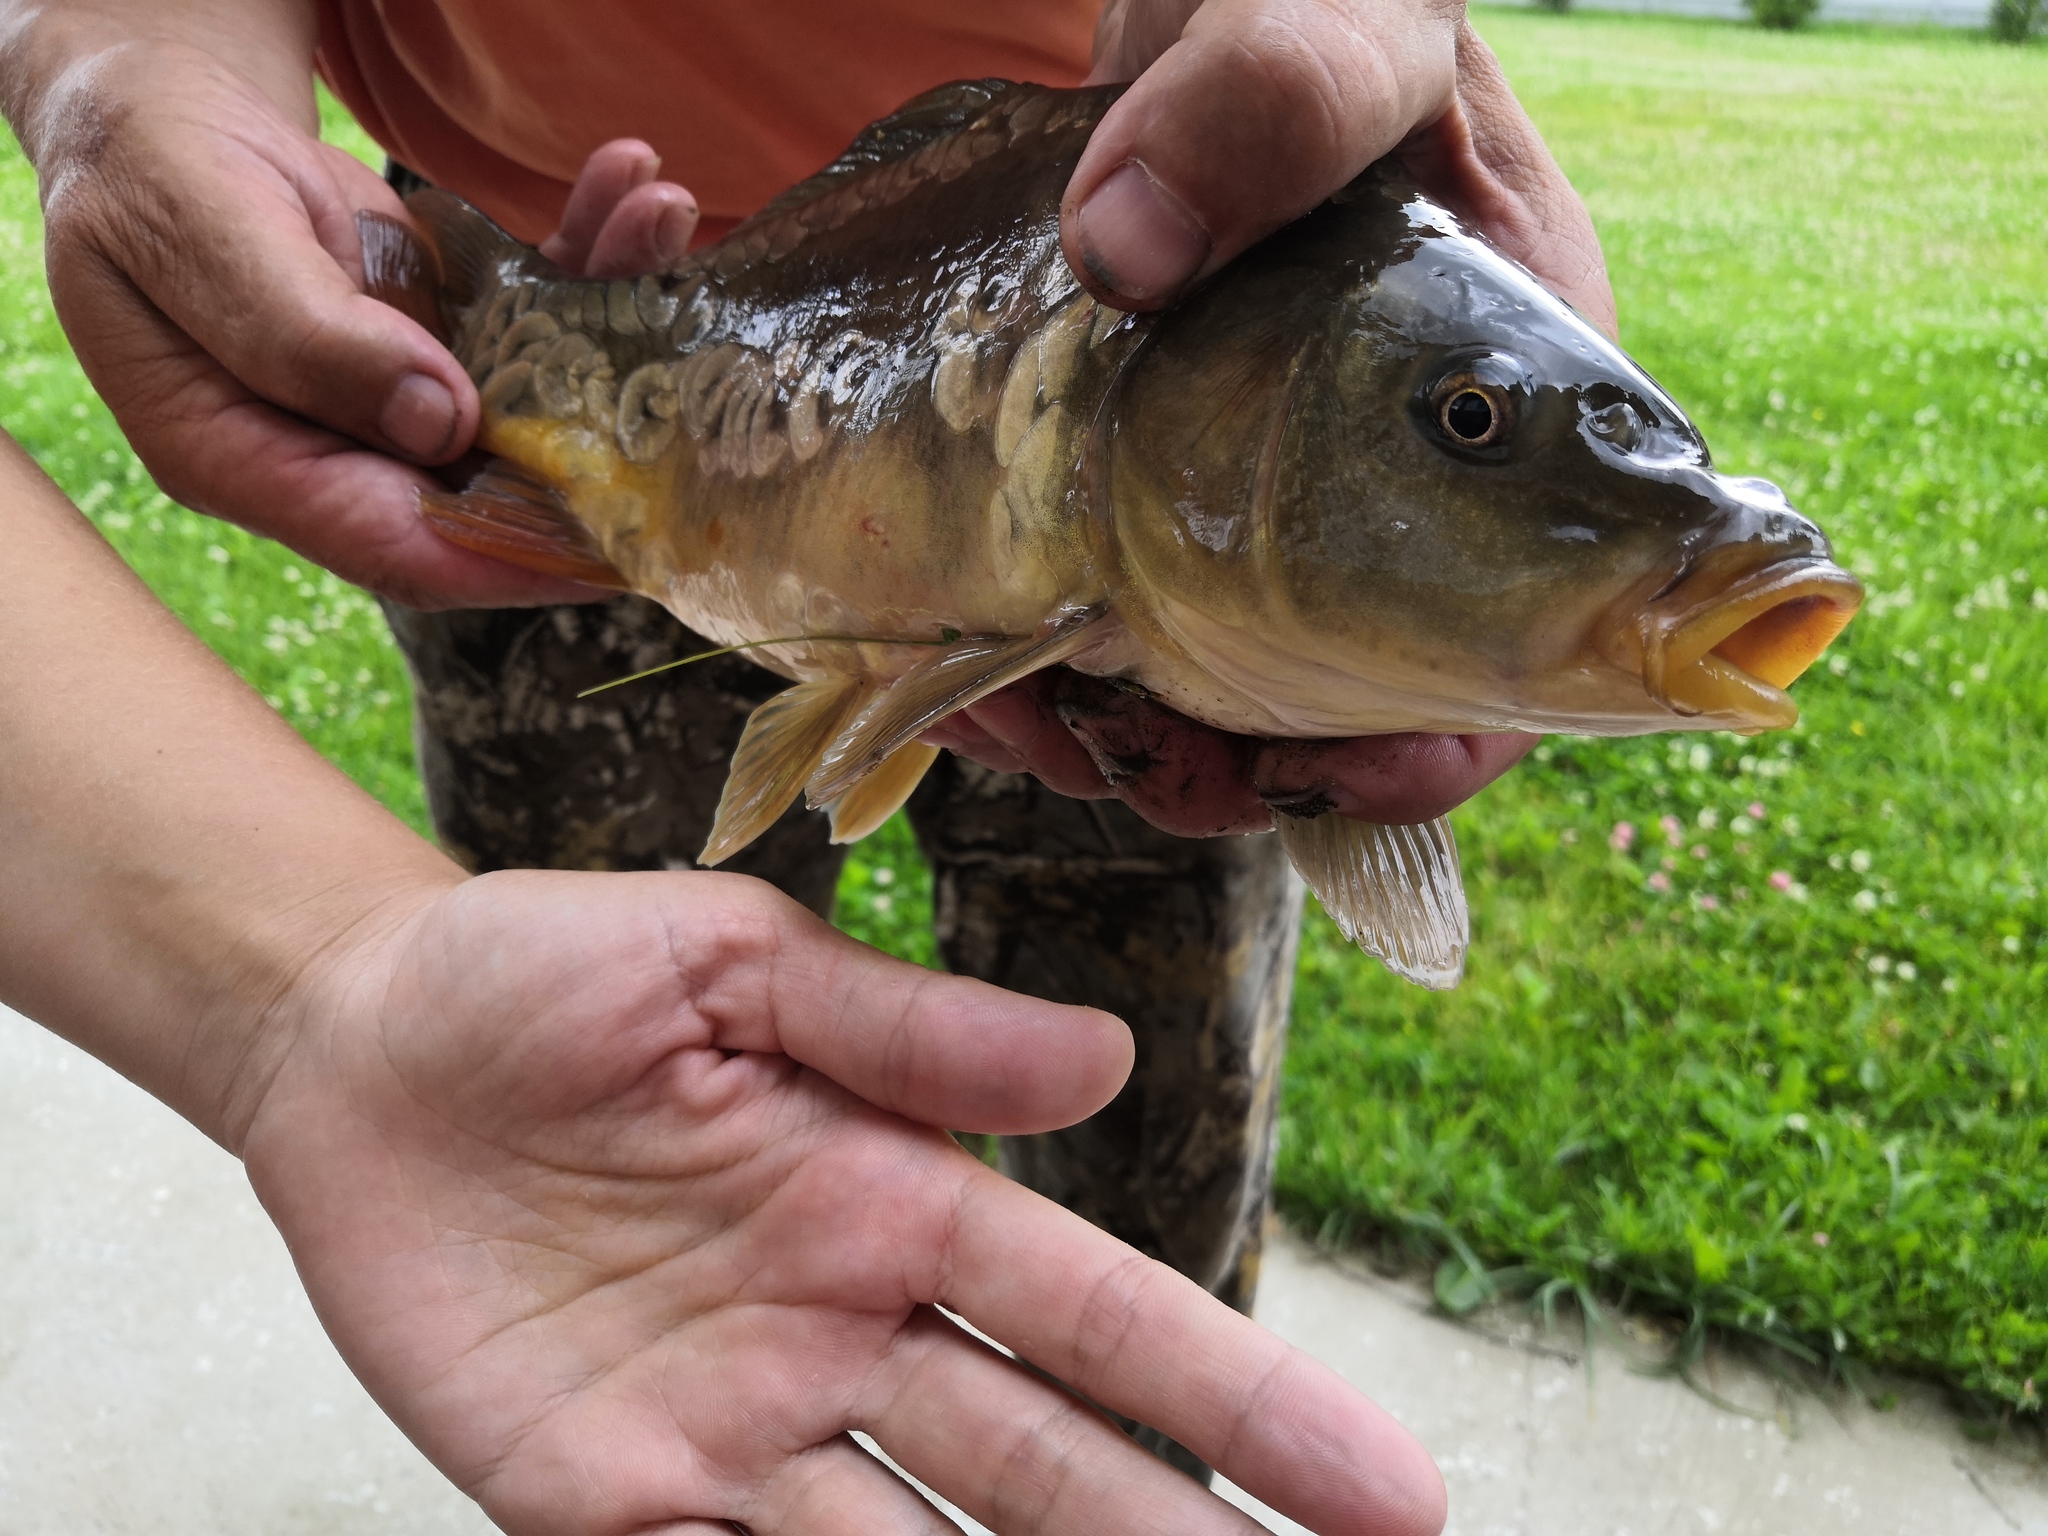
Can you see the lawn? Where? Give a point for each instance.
(1752, 1030)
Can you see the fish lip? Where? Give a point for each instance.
(1670, 640)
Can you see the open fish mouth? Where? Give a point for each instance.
(1729, 648)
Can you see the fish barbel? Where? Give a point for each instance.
(1370, 477)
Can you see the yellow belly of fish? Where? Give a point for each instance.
(620, 502)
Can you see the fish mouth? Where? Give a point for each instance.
(1727, 644)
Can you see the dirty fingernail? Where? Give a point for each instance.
(419, 418)
(1137, 239)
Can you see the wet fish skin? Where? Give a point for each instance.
(819, 400)
(1370, 477)
(1359, 572)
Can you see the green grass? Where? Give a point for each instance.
(1813, 1112)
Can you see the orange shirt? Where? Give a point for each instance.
(501, 100)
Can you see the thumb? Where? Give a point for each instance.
(261, 268)
(1257, 113)
(945, 1050)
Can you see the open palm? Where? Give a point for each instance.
(623, 1194)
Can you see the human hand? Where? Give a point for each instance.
(1089, 739)
(204, 262)
(1245, 114)
(625, 1196)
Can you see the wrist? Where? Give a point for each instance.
(58, 57)
(304, 979)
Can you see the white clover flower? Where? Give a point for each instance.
(1709, 818)
(1881, 964)
(1795, 1121)
(1700, 758)
(1906, 970)
(2011, 944)
(1860, 861)
(1864, 901)
(1742, 826)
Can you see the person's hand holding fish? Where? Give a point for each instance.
(205, 270)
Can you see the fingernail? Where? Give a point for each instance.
(419, 418)
(1137, 238)
(672, 232)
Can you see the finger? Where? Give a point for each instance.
(648, 231)
(1182, 776)
(1258, 112)
(1129, 1333)
(1485, 160)
(945, 1050)
(213, 445)
(1016, 1453)
(611, 171)
(838, 1489)
(261, 266)
(959, 734)
(1023, 721)
(1395, 780)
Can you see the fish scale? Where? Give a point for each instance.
(1370, 477)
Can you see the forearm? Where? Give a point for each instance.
(176, 866)
(49, 48)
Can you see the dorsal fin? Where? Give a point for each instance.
(937, 135)
(438, 266)
(942, 110)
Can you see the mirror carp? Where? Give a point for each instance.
(1370, 477)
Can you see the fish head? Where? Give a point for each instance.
(1376, 477)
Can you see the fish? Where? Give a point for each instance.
(1371, 476)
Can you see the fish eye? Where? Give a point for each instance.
(1473, 412)
(1473, 402)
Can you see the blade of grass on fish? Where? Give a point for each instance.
(946, 637)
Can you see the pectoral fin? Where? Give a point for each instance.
(508, 514)
(921, 698)
(778, 750)
(1395, 892)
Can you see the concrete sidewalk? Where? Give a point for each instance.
(162, 1375)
